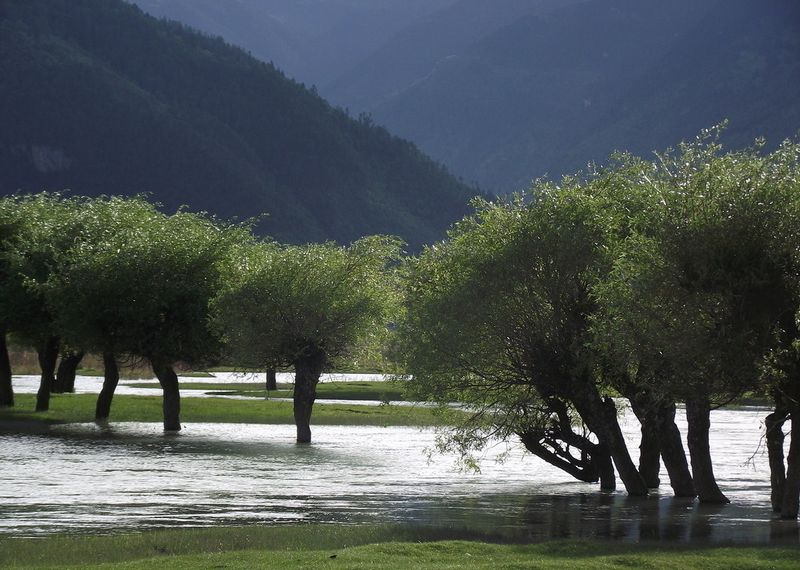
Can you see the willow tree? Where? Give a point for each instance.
(308, 307)
(10, 283)
(701, 289)
(45, 226)
(138, 284)
(498, 317)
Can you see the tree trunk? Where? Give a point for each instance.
(307, 372)
(6, 387)
(657, 417)
(48, 355)
(172, 396)
(600, 416)
(791, 493)
(658, 421)
(650, 453)
(605, 466)
(698, 418)
(777, 469)
(67, 368)
(272, 380)
(110, 381)
(672, 452)
(555, 444)
(554, 447)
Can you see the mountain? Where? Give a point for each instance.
(98, 97)
(554, 90)
(510, 90)
(414, 53)
(312, 41)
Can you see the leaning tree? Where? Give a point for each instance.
(307, 307)
(498, 318)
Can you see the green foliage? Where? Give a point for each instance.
(710, 275)
(677, 275)
(38, 230)
(497, 315)
(282, 303)
(138, 282)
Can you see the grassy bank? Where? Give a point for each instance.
(71, 408)
(328, 546)
(376, 391)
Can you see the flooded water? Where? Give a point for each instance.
(130, 476)
(29, 384)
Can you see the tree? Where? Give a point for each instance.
(138, 284)
(67, 370)
(9, 227)
(699, 291)
(308, 307)
(498, 317)
(45, 226)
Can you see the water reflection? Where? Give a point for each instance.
(130, 476)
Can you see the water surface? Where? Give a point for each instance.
(130, 476)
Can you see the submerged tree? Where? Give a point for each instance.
(663, 281)
(138, 284)
(498, 317)
(67, 370)
(701, 288)
(307, 307)
(45, 226)
(9, 282)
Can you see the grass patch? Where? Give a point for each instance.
(376, 391)
(79, 408)
(335, 546)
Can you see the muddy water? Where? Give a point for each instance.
(83, 478)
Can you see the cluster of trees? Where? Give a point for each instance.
(664, 281)
(660, 282)
(115, 276)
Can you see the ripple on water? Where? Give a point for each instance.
(130, 476)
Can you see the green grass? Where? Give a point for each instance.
(72, 408)
(381, 547)
(377, 391)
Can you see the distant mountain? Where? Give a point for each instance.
(554, 90)
(98, 97)
(505, 91)
(313, 41)
(414, 53)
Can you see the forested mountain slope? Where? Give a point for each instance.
(98, 97)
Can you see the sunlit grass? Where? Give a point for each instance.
(357, 390)
(336, 546)
(78, 408)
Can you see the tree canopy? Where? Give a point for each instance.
(668, 280)
(307, 307)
